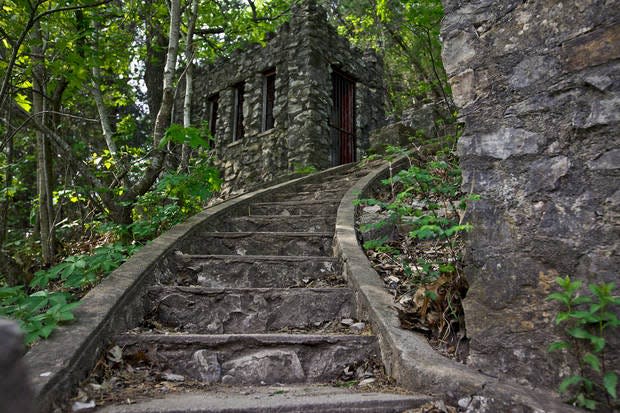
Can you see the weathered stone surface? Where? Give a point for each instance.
(304, 53)
(293, 223)
(210, 311)
(208, 366)
(330, 194)
(15, 391)
(538, 85)
(221, 271)
(306, 398)
(261, 243)
(395, 134)
(272, 357)
(264, 367)
(319, 207)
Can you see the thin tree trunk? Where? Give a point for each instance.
(44, 156)
(189, 82)
(104, 117)
(162, 121)
(8, 178)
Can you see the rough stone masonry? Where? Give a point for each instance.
(538, 90)
(302, 56)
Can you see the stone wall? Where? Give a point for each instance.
(303, 52)
(538, 88)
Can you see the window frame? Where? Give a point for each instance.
(238, 130)
(213, 107)
(269, 98)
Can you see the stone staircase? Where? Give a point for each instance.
(256, 309)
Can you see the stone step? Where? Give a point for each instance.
(247, 310)
(276, 399)
(252, 271)
(294, 208)
(318, 194)
(261, 243)
(279, 223)
(250, 358)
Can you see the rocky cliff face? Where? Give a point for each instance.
(538, 88)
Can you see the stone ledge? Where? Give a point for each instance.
(406, 355)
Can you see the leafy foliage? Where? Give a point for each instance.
(175, 197)
(38, 313)
(421, 261)
(588, 320)
(426, 200)
(406, 35)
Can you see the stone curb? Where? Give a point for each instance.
(407, 356)
(115, 305)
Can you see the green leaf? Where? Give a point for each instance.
(569, 381)
(593, 361)
(558, 345)
(610, 381)
(562, 316)
(47, 330)
(579, 332)
(583, 315)
(598, 343)
(561, 297)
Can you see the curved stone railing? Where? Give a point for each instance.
(115, 305)
(407, 356)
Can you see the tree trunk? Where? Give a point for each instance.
(44, 153)
(162, 121)
(189, 82)
(154, 63)
(8, 178)
(104, 117)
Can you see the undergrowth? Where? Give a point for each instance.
(419, 251)
(52, 294)
(589, 320)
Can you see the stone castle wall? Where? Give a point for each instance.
(303, 52)
(538, 87)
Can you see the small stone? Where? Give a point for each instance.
(366, 382)
(358, 327)
(464, 402)
(77, 406)
(347, 321)
(173, 377)
(372, 209)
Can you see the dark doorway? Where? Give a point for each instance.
(343, 118)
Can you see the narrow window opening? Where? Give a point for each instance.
(269, 98)
(238, 130)
(213, 101)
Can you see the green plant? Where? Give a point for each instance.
(38, 313)
(588, 320)
(79, 271)
(176, 196)
(427, 201)
(304, 169)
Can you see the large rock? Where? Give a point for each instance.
(15, 392)
(538, 87)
